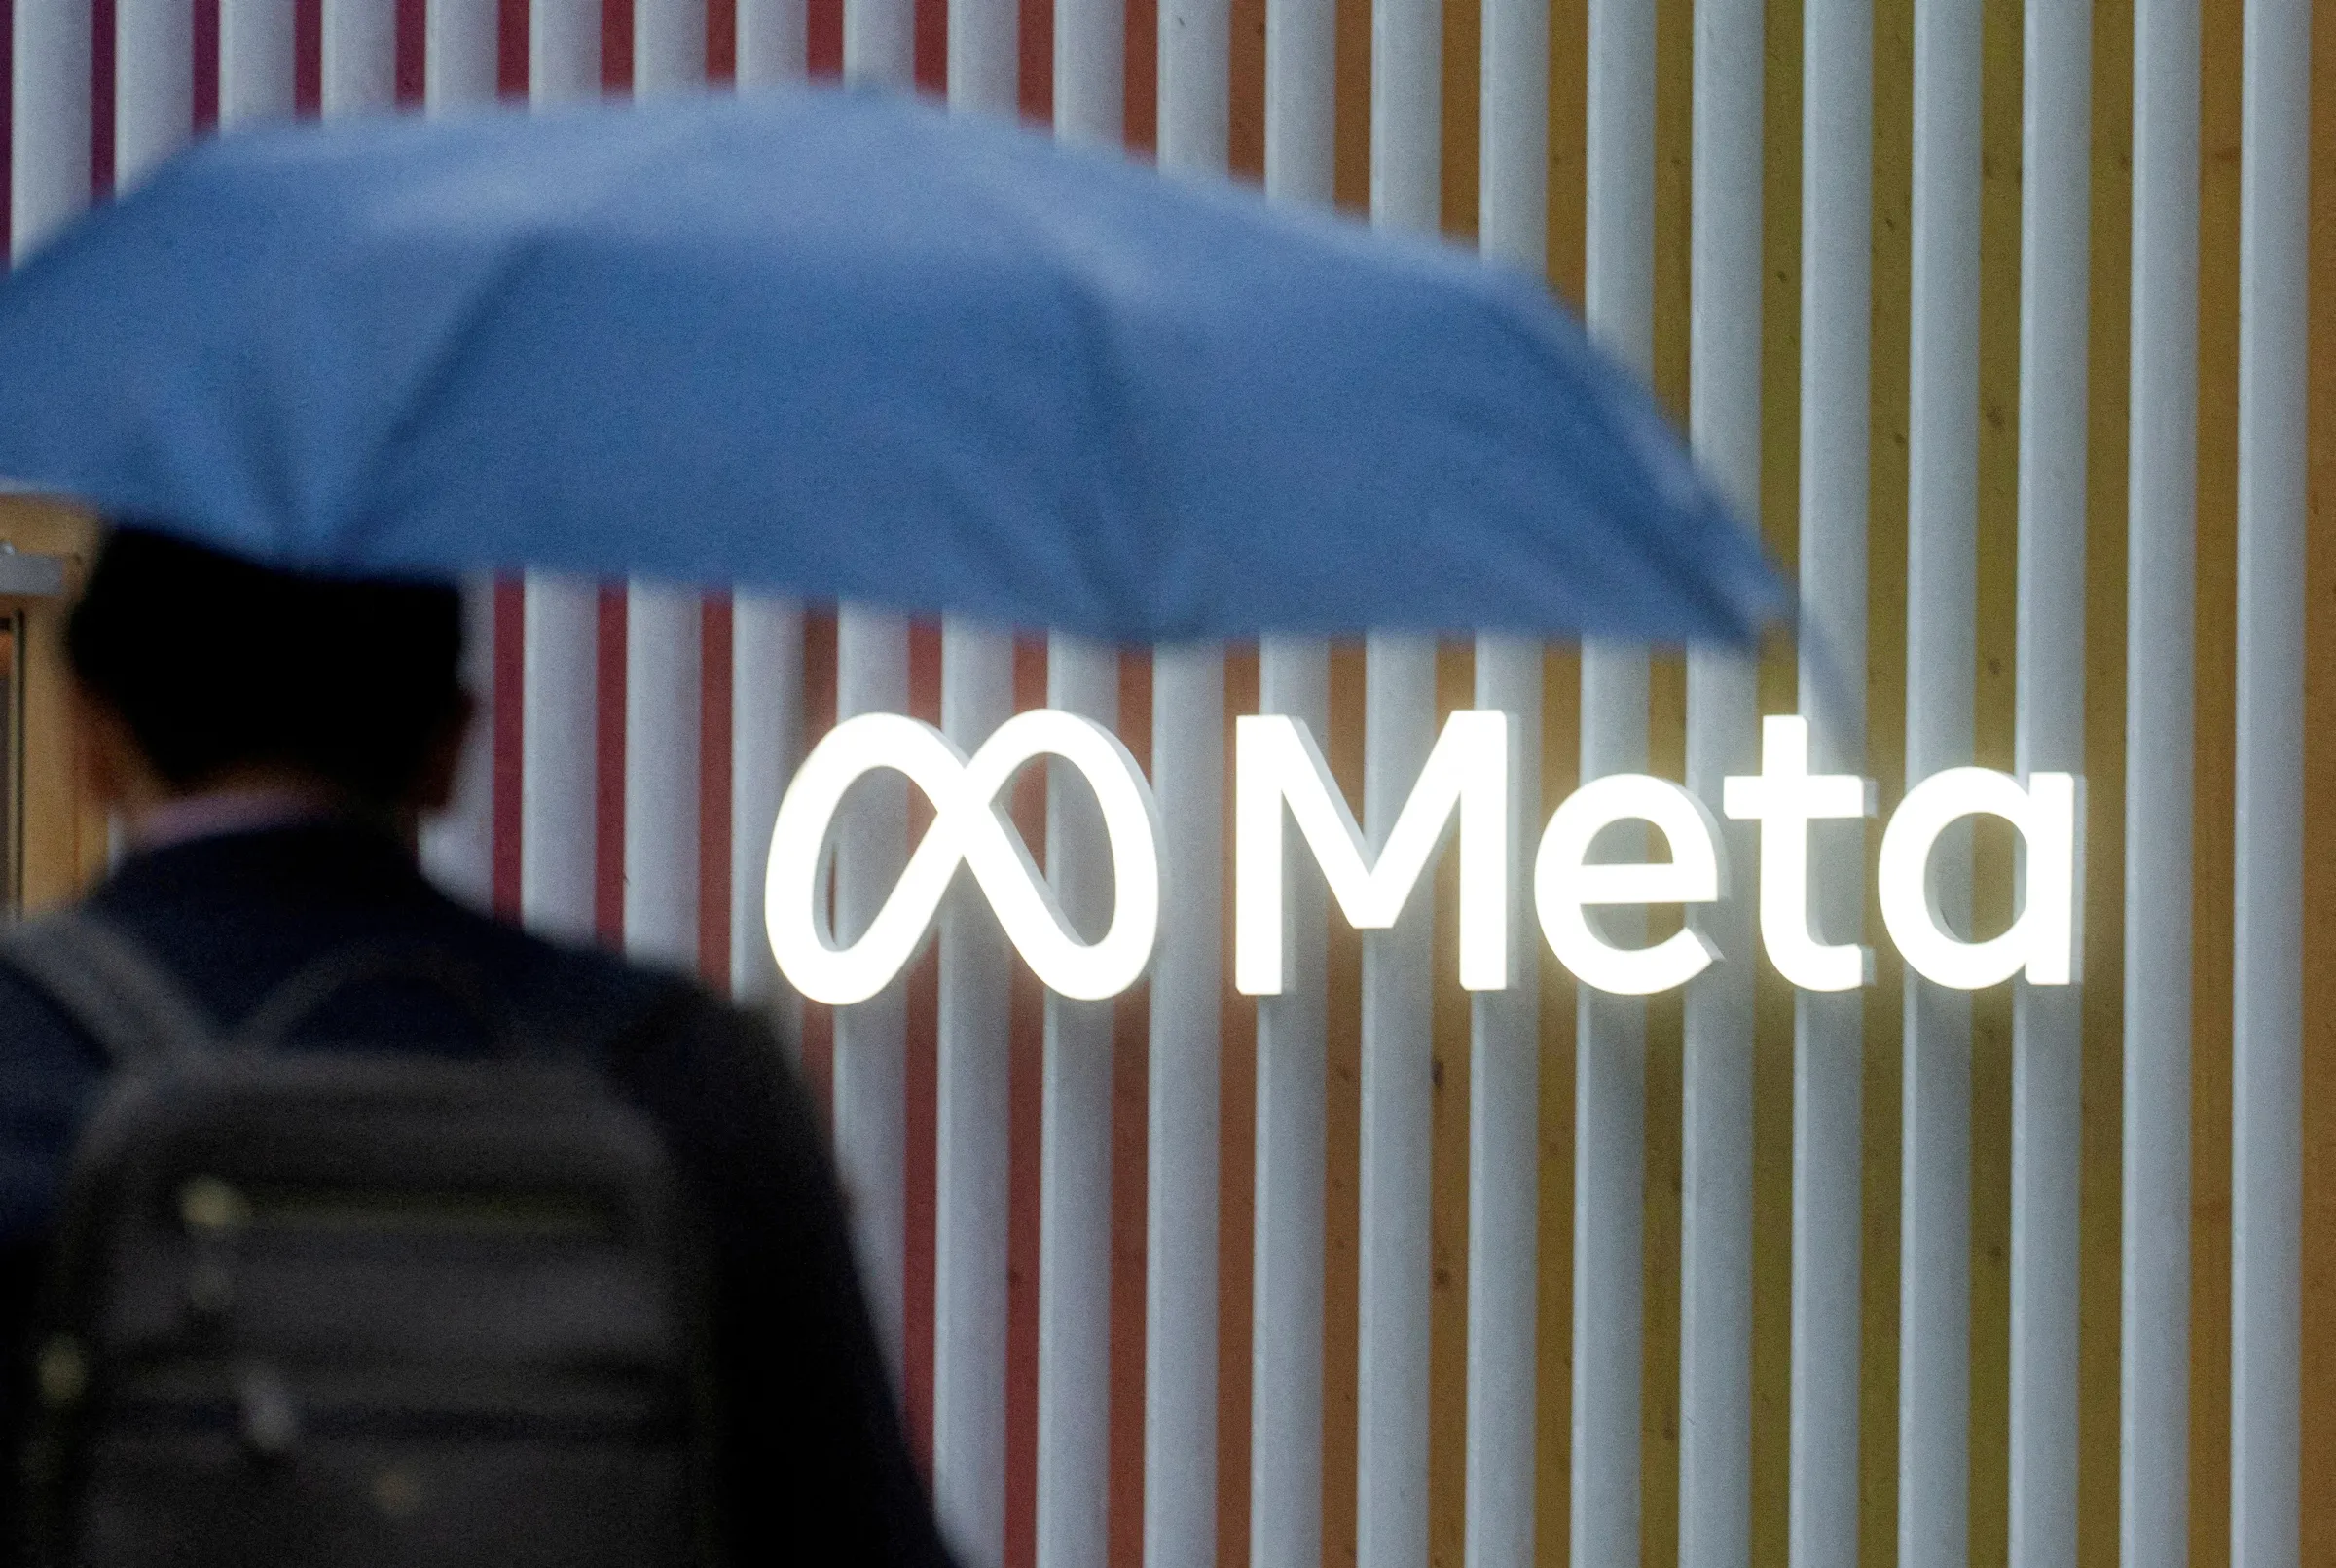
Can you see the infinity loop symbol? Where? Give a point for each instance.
(967, 826)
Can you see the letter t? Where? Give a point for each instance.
(1784, 799)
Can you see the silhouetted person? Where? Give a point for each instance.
(268, 742)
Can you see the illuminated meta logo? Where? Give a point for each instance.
(1280, 779)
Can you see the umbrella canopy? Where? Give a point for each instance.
(843, 345)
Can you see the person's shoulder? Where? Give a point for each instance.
(595, 995)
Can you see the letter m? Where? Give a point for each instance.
(1276, 764)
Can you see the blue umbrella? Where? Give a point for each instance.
(842, 345)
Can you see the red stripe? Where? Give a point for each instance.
(511, 48)
(510, 737)
(206, 63)
(1037, 61)
(412, 31)
(308, 55)
(616, 46)
(721, 40)
(101, 97)
(714, 792)
(824, 21)
(1026, 1121)
(609, 757)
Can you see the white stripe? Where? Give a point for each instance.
(2048, 1024)
(880, 41)
(664, 695)
(1836, 236)
(1934, 1297)
(2161, 596)
(154, 84)
(2274, 181)
(1188, 773)
(1284, 1443)
(1715, 1211)
(1610, 1032)
(457, 54)
(1398, 1016)
(358, 55)
(49, 120)
(564, 51)
(255, 60)
(1293, 677)
(559, 755)
(871, 1037)
(1074, 1156)
(1504, 1171)
(974, 1117)
(766, 742)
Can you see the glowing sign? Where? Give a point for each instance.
(967, 828)
(1565, 886)
(2042, 940)
(1280, 778)
(1276, 762)
(1785, 798)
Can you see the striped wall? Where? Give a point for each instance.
(1998, 320)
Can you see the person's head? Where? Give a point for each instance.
(203, 672)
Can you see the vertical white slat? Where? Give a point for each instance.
(560, 636)
(1504, 1140)
(255, 60)
(984, 55)
(871, 1036)
(774, 42)
(564, 56)
(457, 54)
(970, 1225)
(1398, 1014)
(973, 1117)
(1610, 1030)
(1074, 1192)
(880, 42)
(1942, 574)
(1504, 1157)
(766, 742)
(1828, 1028)
(2275, 184)
(49, 120)
(1074, 1156)
(357, 56)
(559, 756)
(1397, 1127)
(1180, 1390)
(2049, 736)
(664, 630)
(1286, 1293)
(460, 45)
(2161, 600)
(1715, 1208)
(872, 659)
(669, 47)
(154, 84)
(1293, 677)
(664, 701)
(1184, 1071)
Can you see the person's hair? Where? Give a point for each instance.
(215, 662)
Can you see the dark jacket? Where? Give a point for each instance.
(816, 1467)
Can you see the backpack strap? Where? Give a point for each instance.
(296, 999)
(107, 983)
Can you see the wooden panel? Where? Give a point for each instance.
(64, 834)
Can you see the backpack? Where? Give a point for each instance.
(359, 1309)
